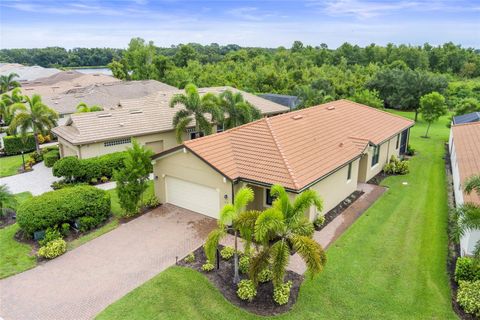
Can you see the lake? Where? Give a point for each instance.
(94, 70)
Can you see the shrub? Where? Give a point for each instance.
(246, 290)
(50, 235)
(36, 156)
(67, 167)
(207, 267)
(467, 269)
(93, 181)
(319, 221)
(15, 144)
(227, 253)
(53, 249)
(396, 166)
(47, 138)
(65, 229)
(64, 184)
(410, 151)
(468, 296)
(60, 206)
(281, 293)
(87, 223)
(104, 179)
(244, 264)
(265, 275)
(190, 258)
(151, 202)
(40, 138)
(51, 157)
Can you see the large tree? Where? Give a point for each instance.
(7, 82)
(6, 103)
(33, 115)
(238, 111)
(195, 109)
(432, 107)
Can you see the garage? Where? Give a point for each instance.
(192, 196)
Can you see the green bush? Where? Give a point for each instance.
(319, 220)
(151, 202)
(87, 223)
(396, 166)
(207, 267)
(50, 235)
(53, 249)
(227, 253)
(15, 144)
(265, 275)
(67, 167)
(36, 156)
(244, 264)
(65, 229)
(104, 179)
(51, 157)
(467, 269)
(468, 296)
(190, 258)
(246, 290)
(281, 294)
(410, 151)
(64, 205)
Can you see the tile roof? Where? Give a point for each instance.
(289, 101)
(466, 139)
(153, 114)
(27, 73)
(298, 148)
(467, 118)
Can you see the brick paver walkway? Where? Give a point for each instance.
(83, 282)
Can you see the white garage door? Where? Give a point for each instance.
(192, 196)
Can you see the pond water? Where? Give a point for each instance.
(94, 70)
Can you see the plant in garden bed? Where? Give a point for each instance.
(246, 290)
(319, 221)
(190, 258)
(265, 275)
(468, 296)
(281, 293)
(396, 166)
(207, 266)
(244, 263)
(53, 249)
(227, 253)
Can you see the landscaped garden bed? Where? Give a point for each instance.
(342, 206)
(222, 278)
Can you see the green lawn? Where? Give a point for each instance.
(391, 264)
(9, 165)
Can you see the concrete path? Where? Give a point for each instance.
(84, 281)
(37, 181)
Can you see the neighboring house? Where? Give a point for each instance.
(26, 73)
(465, 161)
(149, 120)
(328, 148)
(291, 102)
(467, 118)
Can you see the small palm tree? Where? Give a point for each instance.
(34, 116)
(82, 107)
(7, 101)
(7, 199)
(196, 108)
(283, 229)
(228, 218)
(7, 83)
(238, 110)
(473, 184)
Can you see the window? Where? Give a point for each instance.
(268, 197)
(398, 141)
(349, 175)
(376, 154)
(193, 135)
(117, 142)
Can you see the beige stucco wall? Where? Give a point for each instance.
(67, 149)
(184, 165)
(387, 149)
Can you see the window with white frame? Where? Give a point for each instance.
(117, 142)
(376, 155)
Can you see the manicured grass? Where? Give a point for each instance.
(9, 165)
(15, 257)
(391, 264)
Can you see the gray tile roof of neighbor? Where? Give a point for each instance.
(467, 118)
(288, 101)
(27, 73)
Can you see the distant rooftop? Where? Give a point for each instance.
(467, 118)
(26, 73)
(288, 101)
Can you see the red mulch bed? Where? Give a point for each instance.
(263, 303)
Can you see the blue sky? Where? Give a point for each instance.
(89, 23)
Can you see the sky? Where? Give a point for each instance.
(96, 23)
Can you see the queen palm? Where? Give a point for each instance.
(228, 218)
(196, 108)
(82, 107)
(7, 101)
(237, 109)
(7, 83)
(34, 116)
(283, 229)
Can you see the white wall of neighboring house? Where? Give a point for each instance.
(470, 238)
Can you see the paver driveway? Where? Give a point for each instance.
(83, 282)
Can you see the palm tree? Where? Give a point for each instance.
(7, 101)
(7, 83)
(228, 216)
(195, 109)
(473, 183)
(283, 229)
(36, 116)
(7, 199)
(82, 107)
(239, 111)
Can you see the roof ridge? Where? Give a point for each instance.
(285, 161)
(466, 124)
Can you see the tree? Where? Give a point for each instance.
(228, 219)
(238, 110)
(82, 107)
(7, 198)
(467, 105)
(34, 116)
(132, 179)
(284, 228)
(195, 109)
(7, 83)
(473, 184)
(6, 102)
(432, 107)
(368, 97)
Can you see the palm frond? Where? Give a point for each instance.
(227, 214)
(242, 198)
(269, 222)
(259, 262)
(245, 223)
(302, 227)
(211, 244)
(280, 255)
(180, 128)
(303, 202)
(282, 202)
(311, 252)
(473, 183)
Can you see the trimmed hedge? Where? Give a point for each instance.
(86, 170)
(14, 144)
(63, 206)
(51, 157)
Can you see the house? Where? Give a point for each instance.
(26, 73)
(466, 118)
(329, 148)
(149, 120)
(291, 102)
(464, 147)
